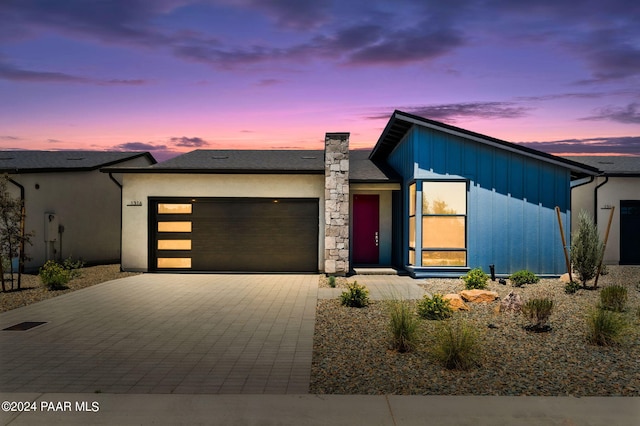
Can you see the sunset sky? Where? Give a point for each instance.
(170, 76)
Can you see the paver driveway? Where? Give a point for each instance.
(166, 333)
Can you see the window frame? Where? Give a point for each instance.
(417, 202)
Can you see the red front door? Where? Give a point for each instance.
(366, 229)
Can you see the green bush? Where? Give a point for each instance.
(475, 279)
(434, 308)
(523, 277)
(572, 287)
(586, 248)
(605, 328)
(613, 298)
(73, 266)
(54, 276)
(355, 296)
(538, 311)
(403, 325)
(332, 281)
(456, 345)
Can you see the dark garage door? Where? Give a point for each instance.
(629, 232)
(234, 234)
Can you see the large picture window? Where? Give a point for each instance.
(443, 214)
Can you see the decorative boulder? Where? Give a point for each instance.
(455, 302)
(564, 278)
(477, 295)
(511, 303)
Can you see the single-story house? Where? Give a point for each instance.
(617, 189)
(429, 198)
(72, 209)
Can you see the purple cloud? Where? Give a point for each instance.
(12, 73)
(139, 146)
(454, 112)
(268, 82)
(189, 142)
(106, 20)
(295, 14)
(406, 46)
(355, 33)
(8, 72)
(629, 114)
(602, 145)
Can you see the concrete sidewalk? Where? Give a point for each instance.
(119, 409)
(381, 287)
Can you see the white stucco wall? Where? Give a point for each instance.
(609, 194)
(86, 204)
(139, 187)
(384, 191)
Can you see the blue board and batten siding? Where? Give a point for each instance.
(511, 221)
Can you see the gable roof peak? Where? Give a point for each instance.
(401, 122)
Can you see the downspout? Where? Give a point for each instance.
(119, 186)
(595, 200)
(22, 226)
(572, 187)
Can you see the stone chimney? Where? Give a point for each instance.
(336, 203)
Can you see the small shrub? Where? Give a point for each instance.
(332, 281)
(355, 296)
(73, 266)
(586, 248)
(403, 325)
(54, 276)
(434, 308)
(538, 311)
(456, 345)
(523, 277)
(475, 279)
(613, 298)
(572, 287)
(605, 328)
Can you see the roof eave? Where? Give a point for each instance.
(381, 146)
(208, 171)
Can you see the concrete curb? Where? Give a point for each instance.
(164, 409)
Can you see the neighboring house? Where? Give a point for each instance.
(72, 209)
(617, 186)
(431, 199)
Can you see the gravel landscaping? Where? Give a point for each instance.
(352, 355)
(351, 347)
(33, 291)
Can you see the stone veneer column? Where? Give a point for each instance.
(336, 203)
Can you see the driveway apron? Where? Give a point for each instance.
(166, 333)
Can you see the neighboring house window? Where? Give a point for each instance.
(443, 209)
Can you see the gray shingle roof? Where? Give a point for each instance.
(611, 165)
(362, 169)
(45, 161)
(266, 161)
(237, 161)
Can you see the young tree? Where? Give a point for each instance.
(13, 238)
(586, 248)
